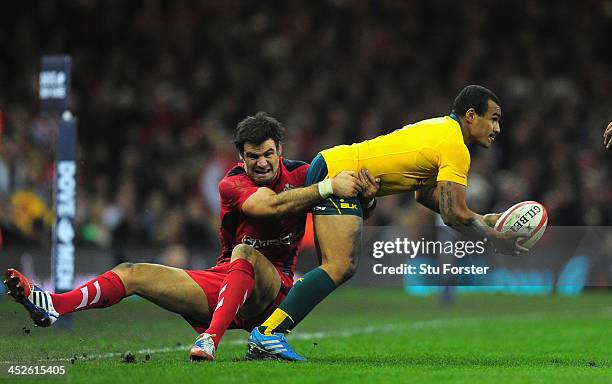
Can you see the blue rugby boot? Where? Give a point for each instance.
(275, 346)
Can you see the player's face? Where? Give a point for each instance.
(485, 128)
(261, 161)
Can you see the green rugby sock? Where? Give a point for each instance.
(307, 292)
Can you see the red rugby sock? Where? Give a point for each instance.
(235, 290)
(103, 291)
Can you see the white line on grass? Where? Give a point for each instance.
(344, 333)
(298, 336)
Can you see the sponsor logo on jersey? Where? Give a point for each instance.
(259, 243)
(345, 205)
(348, 206)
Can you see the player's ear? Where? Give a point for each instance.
(470, 115)
(280, 149)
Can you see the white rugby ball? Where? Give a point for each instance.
(528, 218)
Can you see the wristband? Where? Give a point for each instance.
(325, 188)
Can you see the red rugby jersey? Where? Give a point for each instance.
(278, 239)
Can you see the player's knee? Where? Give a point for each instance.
(353, 262)
(123, 268)
(348, 271)
(342, 270)
(125, 271)
(246, 252)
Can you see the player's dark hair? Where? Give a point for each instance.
(474, 96)
(257, 129)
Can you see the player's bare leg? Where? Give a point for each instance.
(338, 245)
(250, 286)
(170, 288)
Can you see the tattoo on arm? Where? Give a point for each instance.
(446, 201)
(472, 225)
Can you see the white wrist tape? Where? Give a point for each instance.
(325, 188)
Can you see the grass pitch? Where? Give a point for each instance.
(356, 335)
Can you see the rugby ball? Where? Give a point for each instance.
(528, 218)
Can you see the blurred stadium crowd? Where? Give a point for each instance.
(158, 87)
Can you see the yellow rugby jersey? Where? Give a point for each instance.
(414, 156)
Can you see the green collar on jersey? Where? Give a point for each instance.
(454, 117)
